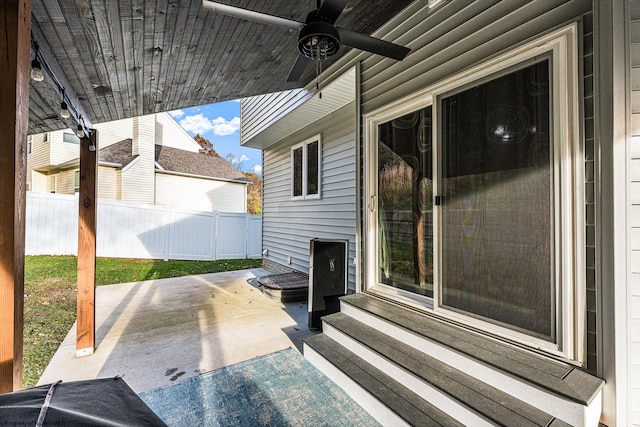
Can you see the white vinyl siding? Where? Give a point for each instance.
(454, 37)
(138, 181)
(633, 190)
(170, 134)
(289, 226)
(65, 182)
(260, 112)
(115, 131)
(200, 194)
(39, 182)
(62, 151)
(107, 183)
(40, 152)
(136, 187)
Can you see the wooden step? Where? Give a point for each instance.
(556, 387)
(387, 392)
(469, 400)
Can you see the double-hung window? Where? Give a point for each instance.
(305, 169)
(475, 207)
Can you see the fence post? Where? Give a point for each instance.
(214, 238)
(167, 232)
(246, 235)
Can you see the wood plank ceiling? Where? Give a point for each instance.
(125, 58)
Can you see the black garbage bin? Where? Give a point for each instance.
(327, 278)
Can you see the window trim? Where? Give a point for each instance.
(305, 145)
(29, 144)
(568, 168)
(68, 133)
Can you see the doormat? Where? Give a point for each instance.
(292, 280)
(279, 389)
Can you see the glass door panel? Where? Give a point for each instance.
(405, 210)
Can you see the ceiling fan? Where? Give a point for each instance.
(318, 38)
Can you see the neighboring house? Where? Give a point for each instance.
(491, 204)
(148, 159)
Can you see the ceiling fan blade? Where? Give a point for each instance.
(331, 9)
(250, 15)
(298, 68)
(372, 44)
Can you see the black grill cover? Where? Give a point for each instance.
(101, 402)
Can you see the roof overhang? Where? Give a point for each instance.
(337, 94)
(116, 59)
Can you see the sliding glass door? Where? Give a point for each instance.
(497, 210)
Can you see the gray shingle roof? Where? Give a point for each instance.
(119, 153)
(175, 160)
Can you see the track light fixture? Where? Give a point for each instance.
(67, 107)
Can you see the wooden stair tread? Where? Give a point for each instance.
(405, 403)
(493, 404)
(557, 377)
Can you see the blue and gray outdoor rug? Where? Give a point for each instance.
(279, 389)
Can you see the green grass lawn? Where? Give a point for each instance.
(50, 296)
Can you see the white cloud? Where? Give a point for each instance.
(222, 126)
(176, 114)
(196, 124)
(257, 169)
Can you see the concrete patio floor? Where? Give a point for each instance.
(155, 333)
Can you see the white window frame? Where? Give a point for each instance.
(568, 170)
(29, 144)
(69, 133)
(304, 145)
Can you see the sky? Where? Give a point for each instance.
(220, 124)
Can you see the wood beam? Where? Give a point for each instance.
(87, 215)
(15, 39)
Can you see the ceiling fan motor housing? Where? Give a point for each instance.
(318, 39)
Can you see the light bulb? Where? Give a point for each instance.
(64, 111)
(36, 71)
(80, 131)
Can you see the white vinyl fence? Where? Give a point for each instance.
(128, 230)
